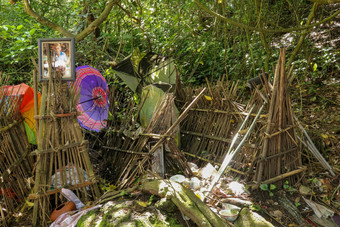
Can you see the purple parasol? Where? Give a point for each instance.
(93, 103)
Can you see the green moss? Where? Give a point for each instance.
(128, 224)
(86, 219)
(173, 222)
(115, 216)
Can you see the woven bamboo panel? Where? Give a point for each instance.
(16, 166)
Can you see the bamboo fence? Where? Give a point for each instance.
(209, 128)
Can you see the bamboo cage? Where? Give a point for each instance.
(16, 166)
(133, 156)
(270, 154)
(281, 151)
(209, 128)
(62, 153)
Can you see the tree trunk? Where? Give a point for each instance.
(186, 201)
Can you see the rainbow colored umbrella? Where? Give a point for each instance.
(26, 95)
(93, 104)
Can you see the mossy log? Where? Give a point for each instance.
(251, 219)
(186, 201)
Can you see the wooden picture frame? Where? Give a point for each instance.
(61, 55)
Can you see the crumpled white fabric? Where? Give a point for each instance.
(70, 196)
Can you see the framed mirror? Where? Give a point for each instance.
(56, 57)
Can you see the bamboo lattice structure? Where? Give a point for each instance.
(62, 154)
(208, 130)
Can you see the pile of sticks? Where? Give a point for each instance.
(62, 154)
(16, 165)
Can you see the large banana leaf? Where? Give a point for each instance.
(140, 69)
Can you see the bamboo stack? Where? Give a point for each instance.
(16, 165)
(280, 156)
(62, 154)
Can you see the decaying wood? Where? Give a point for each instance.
(186, 201)
(292, 210)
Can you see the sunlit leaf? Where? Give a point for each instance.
(143, 204)
(30, 204)
(272, 186)
(32, 31)
(324, 136)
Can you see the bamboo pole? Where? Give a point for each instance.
(179, 119)
(230, 153)
(280, 177)
(268, 127)
(227, 112)
(40, 147)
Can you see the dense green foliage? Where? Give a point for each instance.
(202, 45)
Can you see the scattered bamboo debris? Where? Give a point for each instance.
(16, 165)
(62, 156)
(308, 143)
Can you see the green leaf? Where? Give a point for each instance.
(271, 194)
(272, 186)
(285, 186)
(264, 187)
(32, 31)
(19, 27)
(315, 67)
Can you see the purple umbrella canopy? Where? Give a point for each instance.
(93, 104)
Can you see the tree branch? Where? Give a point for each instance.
(303, 35)
(138, 21)
(96, 22)
(45, 21)
(241, 25)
